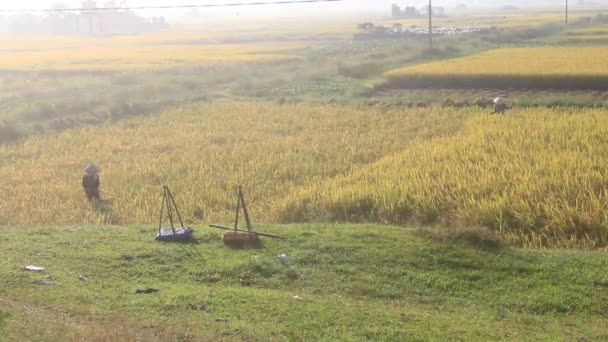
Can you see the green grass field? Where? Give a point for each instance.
(355, 283)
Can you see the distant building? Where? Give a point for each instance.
(89, 22)
(406, 13)
(437, 11)
(111, 19)
(115, 20)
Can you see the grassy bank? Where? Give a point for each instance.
(355, 283)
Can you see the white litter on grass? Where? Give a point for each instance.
(48, 280)
(283, 258)
(33, 268)
(296, 297)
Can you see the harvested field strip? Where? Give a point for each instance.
(584, 40)
(570, 68)
(594, 30)
(586, 33)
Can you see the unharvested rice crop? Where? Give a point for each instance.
(537, 176)
(202, 153)
(583, 67)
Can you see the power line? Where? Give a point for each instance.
(234, 4)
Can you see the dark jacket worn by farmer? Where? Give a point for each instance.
(500, 106)
(90, 184)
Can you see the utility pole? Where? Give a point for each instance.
(566, 12)
(430, 25)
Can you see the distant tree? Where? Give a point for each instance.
(366, 27)
(380, 30)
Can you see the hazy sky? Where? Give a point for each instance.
(320, 8)
(381, 6)
(361, 4)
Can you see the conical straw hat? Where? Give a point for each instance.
(91, 169)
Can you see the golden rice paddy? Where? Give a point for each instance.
(537, 176)
(128, 53)
(583, 67)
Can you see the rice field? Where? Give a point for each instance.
(202, 153)
(536, 176)
(133, 53)
(349, 185)
(584, 67)
(213, 42)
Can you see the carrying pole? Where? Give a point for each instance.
(162, 211)
(238, 209)
(169, 209)
(245, 231)
(179, 217)
(245, 212)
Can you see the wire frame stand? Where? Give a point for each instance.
(171, 233)
(239, 237)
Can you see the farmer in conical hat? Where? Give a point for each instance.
(90, 182)
(500, 106)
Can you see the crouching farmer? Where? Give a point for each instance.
(90, 182)
(500, 106)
